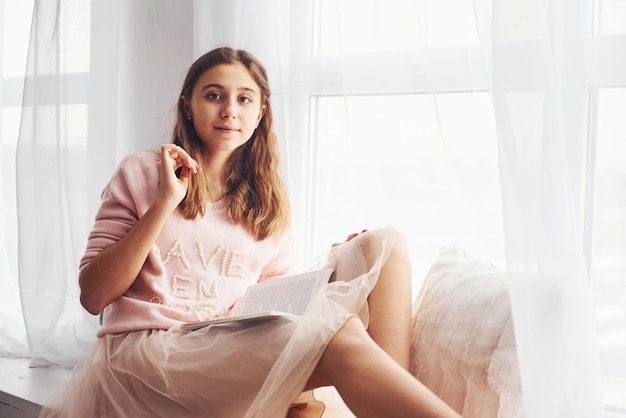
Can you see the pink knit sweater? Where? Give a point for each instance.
(197, 269)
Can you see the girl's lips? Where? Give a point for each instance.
(226, 128)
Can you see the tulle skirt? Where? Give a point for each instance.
(228, 371)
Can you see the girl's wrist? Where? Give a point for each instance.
(165, 205)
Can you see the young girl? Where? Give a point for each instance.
(181, 234)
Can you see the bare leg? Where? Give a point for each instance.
(390, 300)
(371, 383)
(390, 309)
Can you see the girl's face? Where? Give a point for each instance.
(225, 107)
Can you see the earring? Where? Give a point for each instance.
(188, 118)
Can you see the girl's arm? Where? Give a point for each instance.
(114, 270)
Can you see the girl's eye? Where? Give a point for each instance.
(245, 99)
(213, 96)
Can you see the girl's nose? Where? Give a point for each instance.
(230, 108)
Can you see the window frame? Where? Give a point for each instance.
(459, 69)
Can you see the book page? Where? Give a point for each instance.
(291, 296)
(286, 296)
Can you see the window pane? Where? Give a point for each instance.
(15, 18)
(74, 37)
(610, 17)
(609, 244)
(362, 26)
(9, 129)
(424, 163)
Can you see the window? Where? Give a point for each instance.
(14, 37)
(607, 205)
(401, 25)
(610, 17)
(398, 147)
(415, 145)
(609, 242)
(407, 160)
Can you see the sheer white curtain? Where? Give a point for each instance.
(13, 341)
(531, 56)
(534, 57)
(541, 90)
(14, 24)
(51, 184)
(76, 125)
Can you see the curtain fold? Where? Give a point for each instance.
(13, 341)
(541, 100)
(49, 167)
(139, 55)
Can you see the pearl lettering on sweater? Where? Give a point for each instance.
(178, 251)
(227, 262)
(198, 309)
(180, 290)
(206, 264)
(231, 265)
(203, 292)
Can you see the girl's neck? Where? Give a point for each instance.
(213, 171)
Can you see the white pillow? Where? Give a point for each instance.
(463, 346)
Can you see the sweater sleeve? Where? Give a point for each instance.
(124, 200)
(281, 263)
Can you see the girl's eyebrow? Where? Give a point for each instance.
(220, 87)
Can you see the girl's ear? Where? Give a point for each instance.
(185, 105)
(261, 114)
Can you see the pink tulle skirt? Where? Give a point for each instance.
(228, 371)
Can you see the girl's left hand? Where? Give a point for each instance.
(350, 237)
(172, 186)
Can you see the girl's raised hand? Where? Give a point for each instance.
(350, 237)
(175, 159)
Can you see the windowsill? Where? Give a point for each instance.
(23, 389)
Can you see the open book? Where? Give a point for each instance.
(287, 296)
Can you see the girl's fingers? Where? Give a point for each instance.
(350, 237)
(178, 157)
(176, 168)
(355, 234)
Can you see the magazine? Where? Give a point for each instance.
(285, 297)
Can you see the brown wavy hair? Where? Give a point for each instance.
(257, 197)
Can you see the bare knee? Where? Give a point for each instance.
(343, 348)
(350, 338)
(386, 242)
